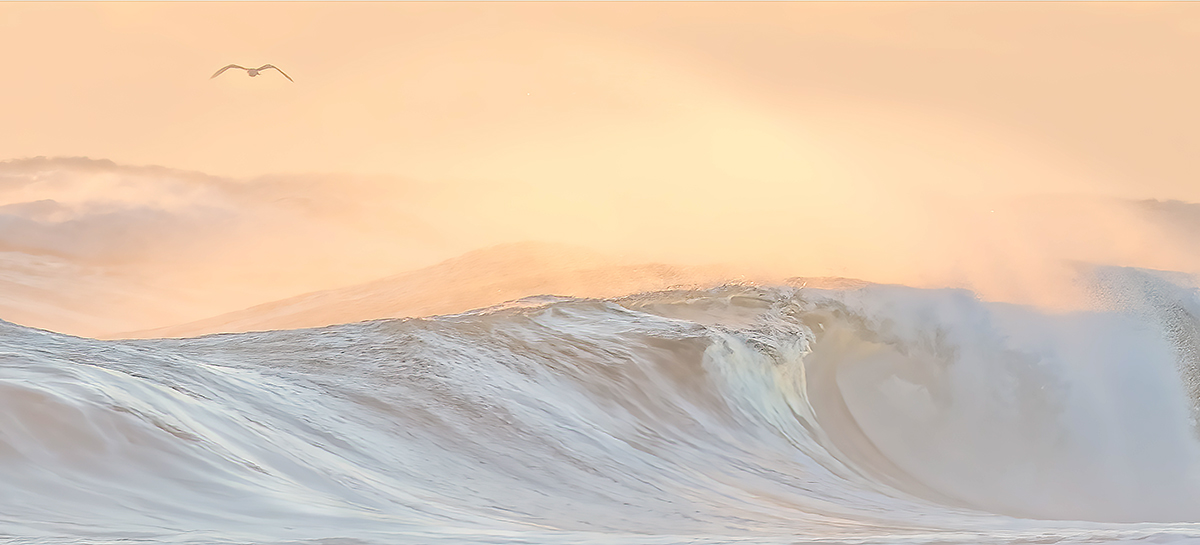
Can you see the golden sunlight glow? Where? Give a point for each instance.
(916, 143)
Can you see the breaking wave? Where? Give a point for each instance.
(883, 414)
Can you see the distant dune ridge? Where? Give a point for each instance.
(474, 280)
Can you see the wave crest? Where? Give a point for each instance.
(737, 411)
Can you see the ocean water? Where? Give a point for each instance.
(741, 414)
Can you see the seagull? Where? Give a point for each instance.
(252, 71)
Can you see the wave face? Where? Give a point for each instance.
(879, 415)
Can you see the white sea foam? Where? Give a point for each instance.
(878, 415)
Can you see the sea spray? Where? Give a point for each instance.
(881, 414)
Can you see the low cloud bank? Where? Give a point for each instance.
(94, 248)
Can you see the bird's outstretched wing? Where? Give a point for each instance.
(266, 66)
(227, 68)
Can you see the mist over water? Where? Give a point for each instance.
(1037, 378)
(1039, 383)
(95, 248)
(614, 273)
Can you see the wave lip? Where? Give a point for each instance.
(878, 413)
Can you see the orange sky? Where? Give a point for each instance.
(540, 91)
(881, 140)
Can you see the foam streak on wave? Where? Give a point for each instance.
(884, 414)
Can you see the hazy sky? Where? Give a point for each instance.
(595, 93)
(881, 140)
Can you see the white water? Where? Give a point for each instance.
(880, 415)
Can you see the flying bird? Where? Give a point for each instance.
(253, 71)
